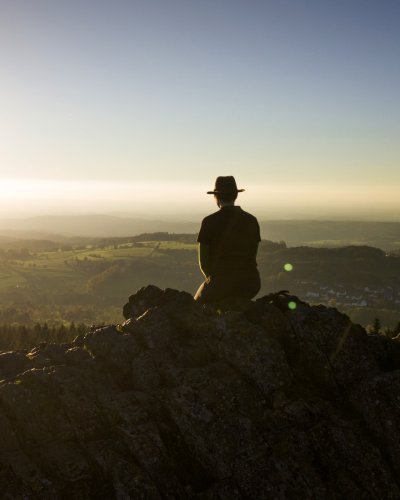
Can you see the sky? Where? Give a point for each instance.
(136, 106)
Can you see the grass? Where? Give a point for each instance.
(57, 267)
(335, 243)
(53, 286)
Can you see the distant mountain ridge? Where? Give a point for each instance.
(384, 235)
(333, 233)
(97, 225)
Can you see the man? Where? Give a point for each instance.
(228, 244)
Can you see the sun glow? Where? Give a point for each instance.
(16, 190)
(49, 196)
(34, 196)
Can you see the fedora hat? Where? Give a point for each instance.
(225, 185)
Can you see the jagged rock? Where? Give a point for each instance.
(188, 401)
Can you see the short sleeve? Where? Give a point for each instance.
(204, 233)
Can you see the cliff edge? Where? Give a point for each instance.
(184, 401)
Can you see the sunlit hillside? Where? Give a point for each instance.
(86, 280)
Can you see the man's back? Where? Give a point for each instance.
(233, 236)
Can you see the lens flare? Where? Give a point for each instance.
(288, 267)
(292, 305)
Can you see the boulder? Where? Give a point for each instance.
(253, 400)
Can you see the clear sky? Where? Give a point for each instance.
(140, 104)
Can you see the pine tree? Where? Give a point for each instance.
(376, 326)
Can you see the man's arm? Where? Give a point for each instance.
(256, 250)
(204, 259)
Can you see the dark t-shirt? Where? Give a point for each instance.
(233, 236)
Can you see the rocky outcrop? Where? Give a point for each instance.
(273, 400)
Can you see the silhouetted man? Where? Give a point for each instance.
(228, 243)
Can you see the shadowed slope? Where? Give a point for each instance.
(183, 401)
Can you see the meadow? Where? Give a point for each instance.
(88, 283)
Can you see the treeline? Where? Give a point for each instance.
(145, 237)
(61, 308)
(120, 280)
(15, 253)
(356, 266)
(14, 337)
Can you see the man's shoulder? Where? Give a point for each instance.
(211, 217)
(248, 215)
(209, 226)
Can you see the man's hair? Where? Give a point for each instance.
(226, 197)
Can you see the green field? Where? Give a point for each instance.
(88, 283)
(93, 281)
(61, 267)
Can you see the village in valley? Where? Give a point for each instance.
(351, 296)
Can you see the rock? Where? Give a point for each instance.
(377, 400)
(151, 296)
(12, 363)
(386, 352)
(48, 354)
(263, 400)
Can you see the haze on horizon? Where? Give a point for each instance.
(135, 107)
(179, 201)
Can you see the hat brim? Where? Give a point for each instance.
(226, 192)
